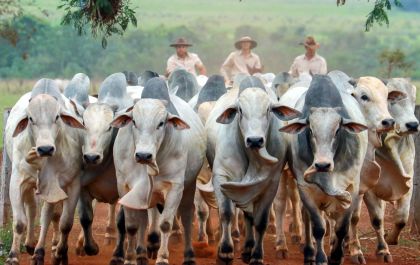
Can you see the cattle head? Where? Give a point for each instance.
(254, 108)
(402, 105)
(150, 122)
(44, 117)
(98, 136)
(325, 127)
(282, 82)
(373, 97)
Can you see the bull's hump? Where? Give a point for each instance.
(323, 93)
(113, 86)
(212, 90)
(46, 86)
(250, 81)
(156, 88)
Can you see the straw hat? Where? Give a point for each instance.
(180, 42)
(245, 39)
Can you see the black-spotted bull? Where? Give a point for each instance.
(43, 142)
(328, 148)
(246, 153)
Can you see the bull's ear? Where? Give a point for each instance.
(228, 115)
(294, 128)
(21, 126)
(396, 95)
(285, 113)
(177, 122)
(122, 120)
(71, 121)
(385, 81)
(353, 127)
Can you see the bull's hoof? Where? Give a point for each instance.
(335, 262)
(142, 261)
(384, 256)
(256, 262)
(63, 260)
(223, 261)
(236, 234)
(358, 259)
(116, 261)
(282, 253)
(162, 263)
(38, 257)
(190, 262)
(246, 256)
(152, 253)
(296, 239)
(29, 249)
(91, 250)
(271, 229)
(12, 261)
(80, 251)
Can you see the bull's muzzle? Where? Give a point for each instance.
(387, 124)
(412, 126)
(323, 167)
(45, 150)
(255, 142)
(92, 159)
(144, 158)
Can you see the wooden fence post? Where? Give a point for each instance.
(6, 167)
(415, 200)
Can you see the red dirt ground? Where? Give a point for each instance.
(407, 253)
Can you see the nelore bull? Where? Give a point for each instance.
(158, 153)
(328, 147)
(43, 141)
(246, 153)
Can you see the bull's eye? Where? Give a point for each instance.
(240, 110)
(365, 98)
(56, 118)
(160, 125)
(134, 123)
(31, 120)
(336, 132)
(110, 127)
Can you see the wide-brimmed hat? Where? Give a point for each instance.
(180, 42)
(310, 42)
(245, 39)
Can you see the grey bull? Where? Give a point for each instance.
(159, 151)
(327, 154)
(183, 84)
(246, 153)
(43, 142)
(99, 179)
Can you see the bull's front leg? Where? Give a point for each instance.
(47, 213)
(249, 238)
(186, 210)
(280, 202)
(66, 223)
(141, 250)
(356, 254)
(296, 225)
(341, 230)
(86, 217)
(166, 219)
(202, 215)
(132, 224)
(260, 224)
(225, 254)
(110, 233)
(153, 239)
(118, 253)
(376, 209)
(402, 211)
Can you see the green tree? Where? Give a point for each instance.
(395, 59)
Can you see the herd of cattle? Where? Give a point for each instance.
(164, 150)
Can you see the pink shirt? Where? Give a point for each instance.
(237, 63)
(316, 65)
(188, 63)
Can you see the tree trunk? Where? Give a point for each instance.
(6, 167)
(415, 200)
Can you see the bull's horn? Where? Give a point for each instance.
(139, 197)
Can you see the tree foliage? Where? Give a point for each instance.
(379, 12)
(105, 17)
(394, 59)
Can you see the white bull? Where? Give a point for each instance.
(246, 154)
(158, 156)
(45, 154)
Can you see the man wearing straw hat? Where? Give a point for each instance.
(184, 59)
(310, 62)
(242, 61)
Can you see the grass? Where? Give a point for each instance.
(6, 239)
